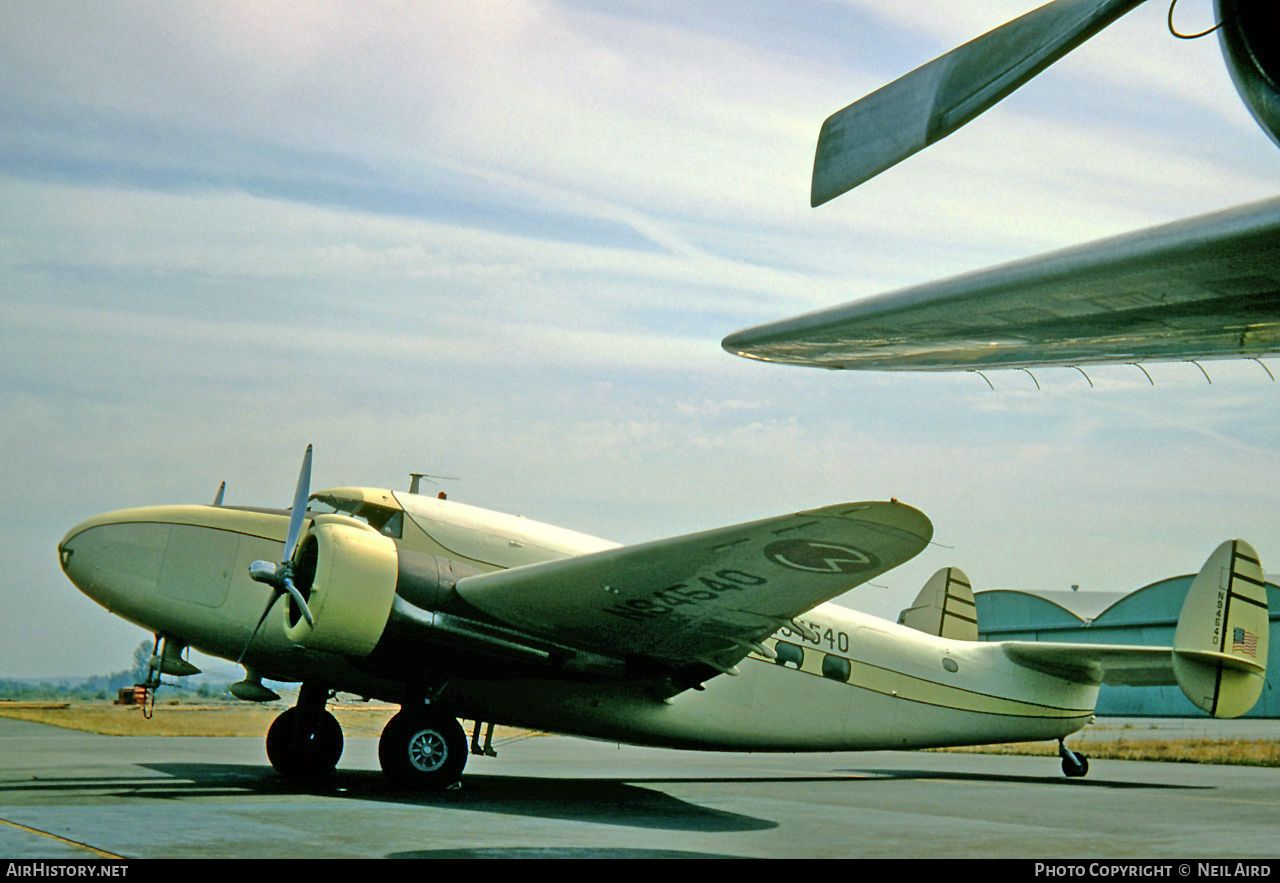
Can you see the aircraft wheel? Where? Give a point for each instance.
(423, 749)
(1075, 770)
(304, 742)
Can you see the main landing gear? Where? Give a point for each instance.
(423, 748)
(305, 741)
(1074, 765)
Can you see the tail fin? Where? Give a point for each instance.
(944, 607)
(1220, 646)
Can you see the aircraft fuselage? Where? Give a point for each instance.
(865, 683)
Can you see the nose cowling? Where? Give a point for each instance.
(114, 559)
(181, 570)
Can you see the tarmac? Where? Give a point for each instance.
(67, 794)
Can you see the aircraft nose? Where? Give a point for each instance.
(72, 566)
(113, 559)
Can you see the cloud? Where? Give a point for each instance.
(503, 241)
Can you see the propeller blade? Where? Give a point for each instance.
(299, 509)
(279, 576)
(299, 600)
(253, 634)
(884, 128)
(222, 489)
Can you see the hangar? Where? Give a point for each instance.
(1146, 616)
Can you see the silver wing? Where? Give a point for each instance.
(1204, 288)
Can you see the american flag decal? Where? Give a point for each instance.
(1244, 641)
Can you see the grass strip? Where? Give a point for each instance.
(1237, 752)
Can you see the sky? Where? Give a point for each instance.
(502, 241)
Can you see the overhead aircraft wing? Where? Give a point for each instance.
(1203, 288)
(708, 597)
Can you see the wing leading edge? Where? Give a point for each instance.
(707, 597)
(1203, 288)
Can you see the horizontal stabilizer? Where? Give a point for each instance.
(934, 100)
(1219, 652)
(944, 607)
(1121, 665)
(1220, 647)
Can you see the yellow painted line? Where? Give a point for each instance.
(77, 843)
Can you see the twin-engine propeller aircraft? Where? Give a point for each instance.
(1203, 288)
(717, 640)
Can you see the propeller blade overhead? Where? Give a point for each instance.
(884, 128)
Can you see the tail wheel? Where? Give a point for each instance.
(423, 749)
(1075, 770)
(304, 742)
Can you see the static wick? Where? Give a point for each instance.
(983, 376)
(1144, 371)
(1202, 371)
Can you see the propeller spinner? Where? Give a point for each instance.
(279, 575)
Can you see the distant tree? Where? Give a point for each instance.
(141, 661)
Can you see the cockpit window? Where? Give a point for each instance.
(388, 522)
(322, 505)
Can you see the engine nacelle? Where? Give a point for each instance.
(1251, 47)
(350, 575)
(347, 572)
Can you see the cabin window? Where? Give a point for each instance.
(837, 668)
(789, 654)
(949, 664)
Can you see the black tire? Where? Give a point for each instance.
(304, 743)
(423, 749)
(1074, 771)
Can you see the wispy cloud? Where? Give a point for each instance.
(503, 240)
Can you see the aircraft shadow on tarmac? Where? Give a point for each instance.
(601, 801)
(1091, 782)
